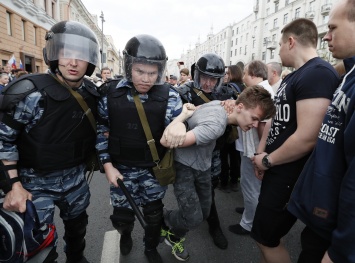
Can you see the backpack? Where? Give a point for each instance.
(23, 236)
(235, 86)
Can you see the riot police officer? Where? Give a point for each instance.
(125, 153)
(47, 136)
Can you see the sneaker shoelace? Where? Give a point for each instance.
(164, 232)
(179, 246)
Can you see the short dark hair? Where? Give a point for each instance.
(304, 30)
(257, 68)
(255, 96)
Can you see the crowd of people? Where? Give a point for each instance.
(287, 140)
(7, 75)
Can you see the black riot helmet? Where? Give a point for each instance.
(209, 65)
(144, 49)
(70, 39)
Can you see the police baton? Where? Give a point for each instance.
(135, 208)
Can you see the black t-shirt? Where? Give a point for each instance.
(315, 79)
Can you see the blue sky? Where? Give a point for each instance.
(177, 24)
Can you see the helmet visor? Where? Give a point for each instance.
(73, 47)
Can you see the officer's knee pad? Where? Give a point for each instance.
(153, 212)
(122, 218)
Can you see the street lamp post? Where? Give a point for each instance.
(102, 39)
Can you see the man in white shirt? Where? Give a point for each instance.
(274, 71)
(255, 73)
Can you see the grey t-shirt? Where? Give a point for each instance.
(208, 123)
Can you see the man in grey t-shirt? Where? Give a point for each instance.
(192, 187)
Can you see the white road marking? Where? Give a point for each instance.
(111, 247)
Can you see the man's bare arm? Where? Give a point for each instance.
(310, 114)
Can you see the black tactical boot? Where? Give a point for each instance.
(218, 238)
(215, 229)
(153, 256)
(126, 243)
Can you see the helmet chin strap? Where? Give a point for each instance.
(57, 71)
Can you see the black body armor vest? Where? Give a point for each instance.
(63, 137)
(127, 140)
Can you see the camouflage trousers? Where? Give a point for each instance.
(192, 189)
(67, 189)
(140, 183)
(216, 165)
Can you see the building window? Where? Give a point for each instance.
(325, 19)
(263, 56)
(274, 37)
(275, 23)
(245, 50)
(35, 35)
(253, 56)
(246, 37)
(23, 30)
(286, 2)
(232, 32)
(237, 30)
(232, 44)
(240, 50)
(266, 26)
(311, 6)
(236, 41)
(276, 7)
(297, 12)
(8, 23)
(235, 52)
(241, 39)
(285, 18)
(231, 53)
(272, 55)
(267, 11)
(265, 41)
(53, 9)
(254, 43)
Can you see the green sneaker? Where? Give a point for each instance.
(177, 245)
(163, 234)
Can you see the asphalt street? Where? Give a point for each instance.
(241, 249)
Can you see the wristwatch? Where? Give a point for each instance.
(266, 161)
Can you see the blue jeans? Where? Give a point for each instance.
(192, 189)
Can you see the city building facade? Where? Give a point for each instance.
(257, 36)
(24, 23)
